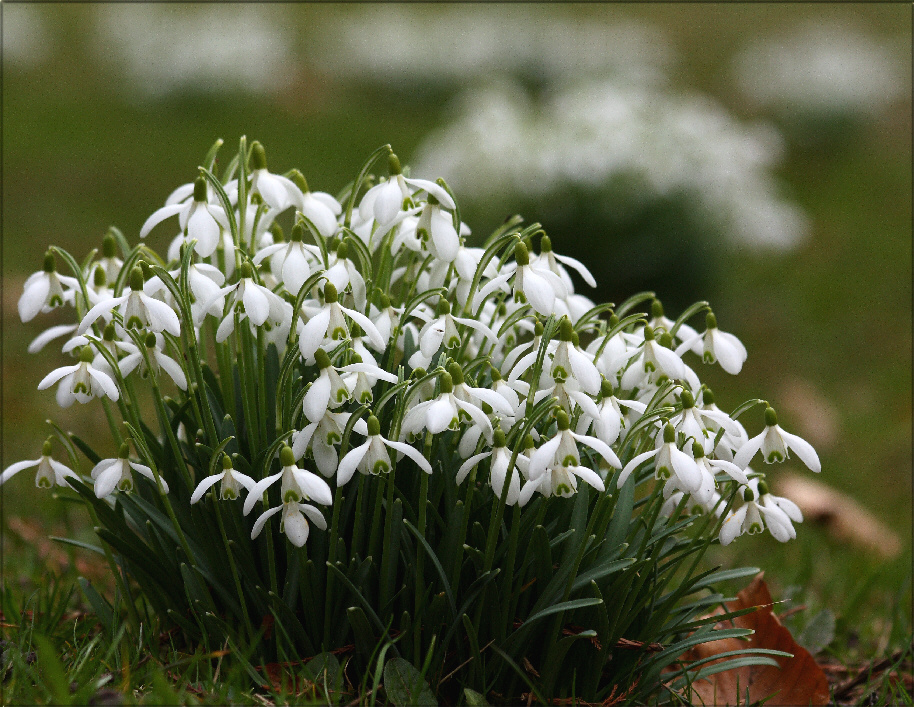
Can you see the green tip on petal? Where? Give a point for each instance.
(656, 309)
(98, 277)
(606, 389)
(393, 165)
(330, 293)
(46, 448)
(688, 400)
(246, 270)
(538, 328)
(748, 495)
(226, 462)
(447, 383)
(124, 451)
(456, 373)
(200, 189)
(561, 420)
(136, 279)
(322, 359)
(86, 355)
(697, 450)
(443, 307)
(771, 417)
(342, 250)
(669, 434)
(109, 246)
(374, 426)
(50, 264)
(499, 438)
(258, 156)
(566, 329)
(545, 244)
(521, 254)
(710, 320)
(298, 179)
(648, 333)
(286, 456)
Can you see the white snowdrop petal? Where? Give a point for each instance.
(172, 368)
(803, 449)
(588, 475)
(14, 469)
(411, 452)
(295, 527)
(55, 376)
(314, 514)
(204, 486)
(468, 465)
(160, 215)
(317, 399)
(261, 521)
(350, 463)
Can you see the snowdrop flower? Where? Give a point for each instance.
(668, 460)
(329, 319)
(137, 309)
(322, 438)
(278, 192)
(534, 285)
(605, 416)
(554, 262)
(372, 457)
(385, 201)
(774, 444)
(709, 469)
(43, 290)
(436, 229)
(81, 381)
(444, 412)
(232, 481)
(498, 472)
(297, 484)
(109, 261)
(292, 260)
(729, 442)
(569, 361)
(318, 207)
(361, 377)
(443, 330)
(775, 512)
(329, 389)
(343, 273)
(204, 280)
(48, 335)
(692, 422)
(49, 473)
(554, 464)
(154, 359)
(199, 219)
(650, 362)
(683, 333)
(718, 346)
(294, 524)
(114, 474)
(249, 301)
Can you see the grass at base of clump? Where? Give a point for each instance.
(56, 651)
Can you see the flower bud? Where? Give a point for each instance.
(200, 189)
(710, 321)
(136, 278)
(246, 271)
(109, 246)
(669, 434)
(322, 359)
(98, 277)
(298, 179)
(46, 448)
(697, 450)
(384, 301)
(648, 333)
(666, 340)
(374, 426)
(330, 293)
(393, 165)
(50, 264)
(418, 373)
(545, 244)
(342, 250)
(707, 396)
(748, 495)
(528, 442)
(124, 451)
(150, 340)
(499, 438)
(771, 417)
(447, 383)
(286, 456)
(298, 233)
(613, 320)
(606, 389)
(444, 307)
(562, 421)
(538, 328)
(762, 488)
(688, 401)
(86, 355)
(521, 254)
(226, 462)
(566, 329)
(276, 231)
(656, 309)
(258, 156)
(456, 372)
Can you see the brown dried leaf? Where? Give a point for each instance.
(798, 681)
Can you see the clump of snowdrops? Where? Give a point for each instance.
(374, 443)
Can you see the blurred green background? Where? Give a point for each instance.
(107, 108)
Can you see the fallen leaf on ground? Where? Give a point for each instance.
(798, 680)
(846, 519)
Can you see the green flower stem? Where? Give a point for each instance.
(420, 558)
(519, 580)
(200, 403)
(358, 530)
(224, 364)
(467, 507)
(260, 366)
(118, 578)
(334, 542)
(249, 629)
(169, 433)
(374, 539)
(112, 423)
(248, 387)
(386, 556)
(509, 596)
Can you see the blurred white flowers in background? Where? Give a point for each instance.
(823, 68)
(601, 136)
(161, 50)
